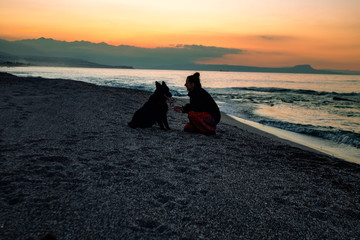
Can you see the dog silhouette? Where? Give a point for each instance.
(154, 110)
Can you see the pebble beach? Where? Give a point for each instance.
(71, 168)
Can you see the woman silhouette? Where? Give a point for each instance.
(202, 110)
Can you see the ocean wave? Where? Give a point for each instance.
(177, 93)
(286, 90)
(328, 133)
(143, 87)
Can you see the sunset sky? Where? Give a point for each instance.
(270, 33)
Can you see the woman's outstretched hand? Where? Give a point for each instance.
(178, 109)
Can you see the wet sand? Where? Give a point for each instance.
(70, 166)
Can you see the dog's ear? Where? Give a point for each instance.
(164, 84)
(157, 84)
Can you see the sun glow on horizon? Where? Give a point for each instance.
(322, 33)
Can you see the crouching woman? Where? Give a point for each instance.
(202, 110)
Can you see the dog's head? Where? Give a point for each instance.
(163, 89)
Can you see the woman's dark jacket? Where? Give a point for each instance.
(201, 101)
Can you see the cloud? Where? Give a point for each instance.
(273, 37)
(181, 54)
(103, 53)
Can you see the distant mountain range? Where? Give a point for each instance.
(49, 52)
(233, 68)
(21, 61)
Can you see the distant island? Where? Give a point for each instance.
(70, 62)
(233, 68)
(54, 53)
(66, 62)
(53, 62)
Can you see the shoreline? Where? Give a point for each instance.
(307, 143)
(302, 141)
(71, 166)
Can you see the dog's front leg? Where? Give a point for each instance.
(165, 121)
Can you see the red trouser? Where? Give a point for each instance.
(201, 122)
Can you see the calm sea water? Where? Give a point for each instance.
(322, 106)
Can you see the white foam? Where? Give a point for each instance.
(342, 151)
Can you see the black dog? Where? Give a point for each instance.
(154, 110)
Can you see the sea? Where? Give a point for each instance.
(321, 111)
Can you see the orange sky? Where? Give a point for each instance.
(273, 33)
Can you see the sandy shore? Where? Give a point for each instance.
(72, 167)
